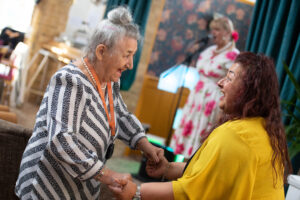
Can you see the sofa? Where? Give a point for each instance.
(13, 140)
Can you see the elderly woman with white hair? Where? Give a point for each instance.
(81, 115)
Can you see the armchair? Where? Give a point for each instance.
(13, 140)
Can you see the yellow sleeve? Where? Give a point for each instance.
(223, 168)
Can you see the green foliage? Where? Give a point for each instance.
(293, 129)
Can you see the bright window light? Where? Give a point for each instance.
(16, 14)
(250, 2)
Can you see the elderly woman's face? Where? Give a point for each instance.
(232, 88)
(220, 35)
(120, 59)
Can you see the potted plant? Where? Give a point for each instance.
(293, 128)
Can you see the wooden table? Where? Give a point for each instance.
(60, 52)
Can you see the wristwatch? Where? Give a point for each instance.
(137, 195)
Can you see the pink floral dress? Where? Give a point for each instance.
(201, 108)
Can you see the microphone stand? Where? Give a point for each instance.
(187, 61)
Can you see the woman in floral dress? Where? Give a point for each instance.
(201, 108)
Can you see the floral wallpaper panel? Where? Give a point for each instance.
(185, 21)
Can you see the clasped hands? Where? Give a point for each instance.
(156, 166)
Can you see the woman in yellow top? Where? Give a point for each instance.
(244, 157)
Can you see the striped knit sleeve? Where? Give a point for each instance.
(129, 127)
(67, 106)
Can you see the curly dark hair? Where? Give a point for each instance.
(261, 98)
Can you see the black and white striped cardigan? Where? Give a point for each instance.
(70, 139)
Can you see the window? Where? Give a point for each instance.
(16, 14)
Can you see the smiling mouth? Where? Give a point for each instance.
(222, 92)
(121, 70)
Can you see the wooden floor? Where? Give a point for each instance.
(26, 114)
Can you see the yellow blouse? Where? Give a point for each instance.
(233, 163)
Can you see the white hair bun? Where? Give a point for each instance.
(120, 16)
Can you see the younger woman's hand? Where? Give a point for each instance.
(157, 170)
(126, 191)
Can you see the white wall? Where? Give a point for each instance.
(16, 14)
(83, 10)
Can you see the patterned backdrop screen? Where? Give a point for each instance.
(185, 21)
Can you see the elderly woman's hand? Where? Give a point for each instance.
(150, 151)
(126, 191)
(111, 178)
(115, 176)
(157, 170)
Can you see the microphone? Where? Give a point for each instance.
(204, 39)
(201, 44)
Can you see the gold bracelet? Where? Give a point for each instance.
(165, 173)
